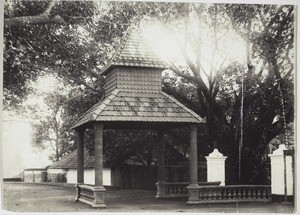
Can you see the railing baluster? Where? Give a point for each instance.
(239, 196)
(209, 194)
(244, 194)
(234, 194)
(264, 194)
(254, 194)
(225, 194)
(219, 194)
(213, 196)
(229, 194)
(258, 196)
(249, 195)
(201, 194)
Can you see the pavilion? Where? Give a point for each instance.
(134, 100)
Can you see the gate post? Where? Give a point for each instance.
(216, 167)
(281, 175)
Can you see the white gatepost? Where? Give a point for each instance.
(281, 175)
(216, 167)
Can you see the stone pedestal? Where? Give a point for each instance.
(161, 189)
(216, 167)
(281, 175)
(92, 195)
(99, 193)
(193, 191)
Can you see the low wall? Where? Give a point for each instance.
(89, 176)
(57, 175)
(34, 175)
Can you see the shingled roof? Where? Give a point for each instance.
(139, 107)
(134, 50)
(70, 161)
(133, 89)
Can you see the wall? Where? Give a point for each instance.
(34, 176)
(89, 176)
(56, 175)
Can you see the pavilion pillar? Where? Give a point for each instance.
(80, 160)
(161, 170)
(98, 190)
(193, 188)
(80, 156)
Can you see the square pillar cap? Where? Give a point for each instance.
(280, 150)
(216, 154)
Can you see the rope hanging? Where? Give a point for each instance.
(282, 112)
(242, 124)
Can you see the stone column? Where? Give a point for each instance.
(281, 175)
(80, 162)
(80, 156)
(98, 190)
(216, 167)
(193, 188)
(161, 170)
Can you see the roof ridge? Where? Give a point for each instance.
(203, 120)
(122, 44)
(119, 48)
(111, 96)
(74, 125)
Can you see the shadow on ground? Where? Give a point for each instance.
(30, 197)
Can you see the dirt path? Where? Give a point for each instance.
(22, 197)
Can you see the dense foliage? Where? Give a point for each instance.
(73, 41)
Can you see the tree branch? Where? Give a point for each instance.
(43, 18)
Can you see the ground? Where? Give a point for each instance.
(30, 197)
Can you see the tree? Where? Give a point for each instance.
(43, 18)
(90, 27)
(212, 83)
(268, 33)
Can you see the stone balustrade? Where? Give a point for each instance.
(233, 193)
(211, 192)
(178, 189)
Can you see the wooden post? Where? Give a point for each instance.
(98, 190)
(80, 156)
(193, 156)
(98, 154)
(193, 188)
(161, 176)
(161, 157)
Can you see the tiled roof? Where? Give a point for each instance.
(139, 107)
(135, 50)
(70, 161)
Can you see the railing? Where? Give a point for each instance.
(211, 192)
(234, 193)
(178, 189)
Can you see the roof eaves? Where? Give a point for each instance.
(77, 123)
(96, 109)
(201, 120)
